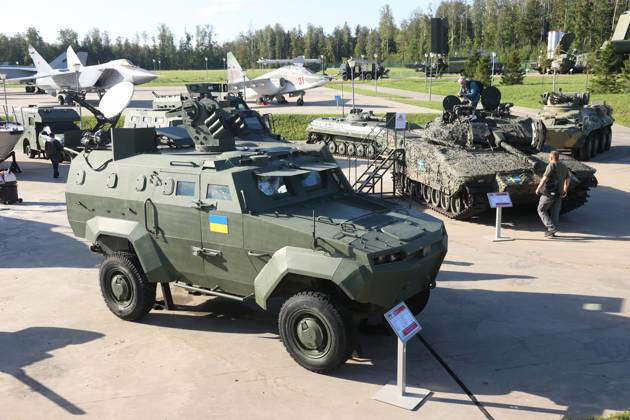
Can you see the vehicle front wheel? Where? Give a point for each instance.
(315, 331)
(125, 288)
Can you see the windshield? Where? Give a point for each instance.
(253, 123)
(272, 186)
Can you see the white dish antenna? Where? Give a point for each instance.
(116, 99)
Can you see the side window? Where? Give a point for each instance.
(312, 180)
(218, 192)
(272, 186)
(185, 188)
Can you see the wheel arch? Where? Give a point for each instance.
(131, 236)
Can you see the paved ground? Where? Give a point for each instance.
(534, 328)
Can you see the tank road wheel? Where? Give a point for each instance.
(341, 148)
(312, 138)
(360, 150)
(608, 136)
(418, 302)
(351, 149)
(370, 151)
(332, 147)
(435, 197)
(315, 331)
(445, 201)
(456, 204)
(125, 288)
(425, 192)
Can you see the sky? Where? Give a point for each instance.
(228, 17)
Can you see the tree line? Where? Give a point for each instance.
(491, 25)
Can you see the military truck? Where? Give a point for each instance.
(572, 124)
(44, 121)
(248, 219)
(364, 70)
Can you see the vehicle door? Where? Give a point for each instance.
(225, 260)
(173, 219)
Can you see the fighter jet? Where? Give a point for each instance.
(23, 72)
(299, 60)
(290, 80)
(79, 78)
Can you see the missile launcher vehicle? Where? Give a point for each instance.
(465, 154)
(238, 213)
(572, 124)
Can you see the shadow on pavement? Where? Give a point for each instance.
(31, 345)
(569, 349)
(32, 244)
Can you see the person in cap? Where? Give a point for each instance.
(54, 151)
(470, 90)
(553, 187)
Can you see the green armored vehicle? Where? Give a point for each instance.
(360, 134)
(572, 124)
(456, 160)
(41, 122)
(248, 217)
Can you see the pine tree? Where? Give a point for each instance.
(625, 76)
(512, 72)
(471, 65)
(483, 70)
(606, 79)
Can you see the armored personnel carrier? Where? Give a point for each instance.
(247, 217)
(572, 124)
(465, 154)
(40, 122)
(360, 134)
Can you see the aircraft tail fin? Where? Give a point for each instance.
(73, 58)
(234, 71)
(40, 64)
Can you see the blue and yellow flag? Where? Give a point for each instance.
(218, 224)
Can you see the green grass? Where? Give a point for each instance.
(617, 416)
(293, 126)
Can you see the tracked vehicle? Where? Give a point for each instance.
(245, 216)
(574, 125)
(465, 154)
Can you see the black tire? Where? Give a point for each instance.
(594, 144)
(608, 137)
(329, 325)
(418, 302)
(299, 102)
(585, 150)
(125, 288)
(368, 76)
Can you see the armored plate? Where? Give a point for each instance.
(403, 231)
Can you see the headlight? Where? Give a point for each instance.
(389, 258)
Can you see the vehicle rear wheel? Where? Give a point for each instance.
(125, 288)
(594, 144)
(418, 302)
(608, 136)
(315, 331)
(585, 150)
(368, 76)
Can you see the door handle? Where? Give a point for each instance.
(202, 205)
(257, 254)
(197, 251)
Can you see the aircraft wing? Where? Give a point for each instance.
(87, 78)
(260, 86)
(21, 79)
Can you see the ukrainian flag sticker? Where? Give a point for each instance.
(218, 224)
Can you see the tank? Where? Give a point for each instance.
(573, 125)
(360, 134)
(464, 154)
(242, 215)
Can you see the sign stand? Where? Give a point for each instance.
(498, 201)
(397, 392)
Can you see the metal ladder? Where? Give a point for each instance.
(367, 181)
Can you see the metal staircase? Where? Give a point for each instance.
(373, 175)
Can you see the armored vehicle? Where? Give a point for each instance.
(364, 70)
(248, 217)
(464, 154)
(572, 124)
(360, 134)
(44, 121)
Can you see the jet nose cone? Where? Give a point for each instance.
(143, 76)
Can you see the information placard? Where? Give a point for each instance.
(402, 321)
(401, 121)
(499, 199)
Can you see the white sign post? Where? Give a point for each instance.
(497, 201)
(398, 393)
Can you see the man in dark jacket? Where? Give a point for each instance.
(54, 151)
(470, 90)
(553, 187)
